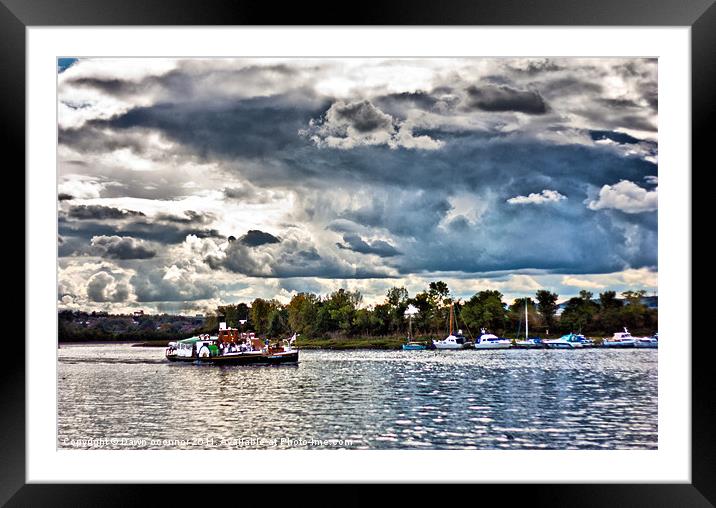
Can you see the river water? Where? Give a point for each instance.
(123, 397)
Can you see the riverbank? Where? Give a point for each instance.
(336, 343)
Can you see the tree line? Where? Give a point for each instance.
(340, 314)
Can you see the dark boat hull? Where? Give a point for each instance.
(241, 359)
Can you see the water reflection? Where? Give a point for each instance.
(588, 399)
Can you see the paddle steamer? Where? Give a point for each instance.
(231, 347)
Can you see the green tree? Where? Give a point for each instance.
(303, 314)
(634, 313)
(397, 299)
(579, 313)
(260, 310)
(341, 306)
(547, 306)
(609, 312)
(421, 322)
(439, 299)
(277, 322)
(485, 310)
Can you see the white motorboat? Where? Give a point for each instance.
(569, 341)
(647, 342)
(622, 340)
(450, 342)
(491, 341)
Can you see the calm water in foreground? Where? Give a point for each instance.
(123, 397)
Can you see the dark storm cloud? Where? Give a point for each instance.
(505, 98)
(377, 247)
(290, 258)
(619, 137)
(99, 212)
(144, 229)
(254, 238)
(534, 67)
(620, 103)
(362, 116)
(187, 80)
(246, 193)
(255, 127)
(570, 85)
(419, 99)
(118, 247)
(387, 211)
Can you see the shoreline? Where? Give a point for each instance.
(335, 344)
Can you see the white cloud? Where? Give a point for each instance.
(348, 125)
(538, 198)
(581, 283)
(80, 186)
(627, 197)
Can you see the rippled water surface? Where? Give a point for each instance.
(118, 396)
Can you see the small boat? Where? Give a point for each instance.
(569, 341)
(647, 342)
(230, 347)
(456, 341)
(533, 343)
(412, 345)
(491, 341)
(621, 340)
(586, 342)
(452, 341)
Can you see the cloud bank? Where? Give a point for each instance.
(187, 183)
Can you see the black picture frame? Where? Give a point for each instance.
(700, 15)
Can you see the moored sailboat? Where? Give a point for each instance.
(528, 343)
(453, 340)
(411, 344)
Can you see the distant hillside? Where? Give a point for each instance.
(91, 326)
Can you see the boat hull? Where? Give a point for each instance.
(447, 347)
(562, 345)
(529, 345)
(240, 359)
(619, 344)
(414, 347)
(494, 345)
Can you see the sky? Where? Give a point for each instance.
(187, 184)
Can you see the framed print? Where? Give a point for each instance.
(428, 247)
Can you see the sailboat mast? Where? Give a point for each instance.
(527, 335)
(451, 317)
